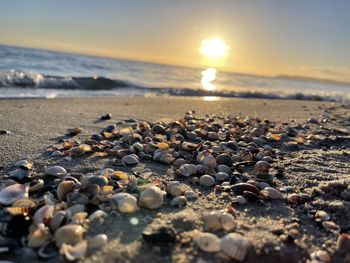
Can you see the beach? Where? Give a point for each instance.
(317, 170)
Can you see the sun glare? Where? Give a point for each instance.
(214, 48)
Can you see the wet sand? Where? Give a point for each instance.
(320, 171)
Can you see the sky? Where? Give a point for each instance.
(266, 37)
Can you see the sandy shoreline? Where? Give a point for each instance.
(36, 124)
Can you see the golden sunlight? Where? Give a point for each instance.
(214, 48)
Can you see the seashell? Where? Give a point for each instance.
(166, 158)
(331, 226)
(190, 195)
(97, 241)
(224, 158)
(80, 218)
(206, 180)
(59, 219)
(39, 237)
(179, 162)
(241, 187)
(73, 253)
(36, 185)
(131, 159)
(343, 243)
(126, 203)
(262, 167)
(152, 197)
(179, 201)
(74, 131)
(320, 256)
(80, 150)
(235, 246)
(174, 188)
(201, 156)
(24, 202)
(57, 171)
(322, 216)
(187, 170)
(77, 198)
(69, 234)
(241, 200)
(208, 242)
(219, 220)
(246, 156)
(90, 190)
(64, 188)
(98, 215)
(188, 146)
(43, 215)
(220, 177)
(202, 169)
(210, 161)
(12, 193)
(271, 193)
(99, 180)
(294, 198)
(76, 209)
(224, 168)
(21, 175)
(138, 146)
(25, 164)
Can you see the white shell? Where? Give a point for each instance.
(152, 197)
(98, 241)
(43, 215)
(187, 169)
(130, 159)
(73, 253)
(69, 234)
(208, 242)
(235, 246)
(179, 201)
(219, 220)
(127, 203)
(174, 188)
(10, 194)
(206, 180)
(57, 171)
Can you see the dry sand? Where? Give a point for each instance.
(320, 172)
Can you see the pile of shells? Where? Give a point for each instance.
(229, 154)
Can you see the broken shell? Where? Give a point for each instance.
(73, 253)
(174, 188)
(64, 188)
(206, 180)
(152, 197)
(235, 246)
(69, 234)
(39, 237)
(271, 193)
(57, 171)
(262, 168)
(10, 194)
(130, 159)
(25, 164)
(98, 241)
(187, 170)
(179, 201)
(208, 242)
(126, 203)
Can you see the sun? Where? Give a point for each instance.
(214, 48)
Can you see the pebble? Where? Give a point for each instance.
(206, 180)
(179, 201)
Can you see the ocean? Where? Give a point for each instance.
(34, 73)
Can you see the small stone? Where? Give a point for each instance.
(107, 116)
(131, 159)
(179, 201)
(224, 159)
(187, 170)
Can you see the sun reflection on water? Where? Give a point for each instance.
(208, 76)
(211, 98)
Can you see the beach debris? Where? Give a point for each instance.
(5, 132)
(126, 203)
(107, 116)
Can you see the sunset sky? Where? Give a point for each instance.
(301, 37)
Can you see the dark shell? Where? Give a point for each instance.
(241, 187)
(161, 236)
